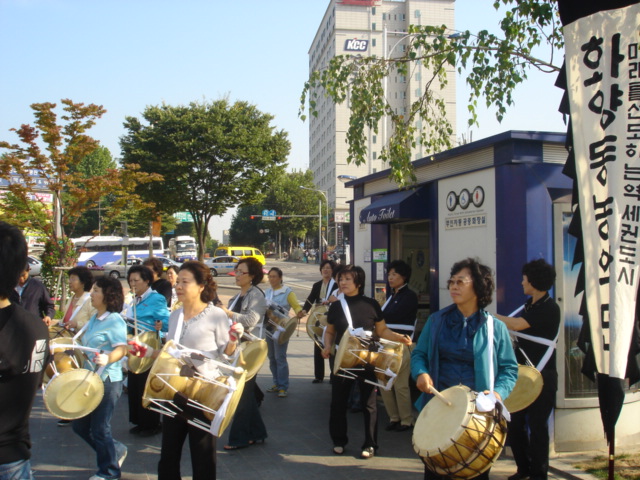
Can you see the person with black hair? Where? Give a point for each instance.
(321, 291)
(150, 309)
(106, 332)
(79, 310)
(248, 308)
(399, 311)
(33, 295)
(24, 352)
(159, 284)
(537, 330)
(452, 348)
(354, 311)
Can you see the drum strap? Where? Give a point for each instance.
(357, 332)
(490, 350)
(329, 289)
(179, 325)
(87, 297)
(551, 346)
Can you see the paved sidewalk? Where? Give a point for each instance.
(298, 446)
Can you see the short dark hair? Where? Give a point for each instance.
(330, 262)
(255, 269)
(202, 275)
(402, 268)
(85, 276)
(357, 273)
(482, 278)
(174, 268)
(540, 274)
(112, 293)
(155, 264)
(13, 257)
(277, 270)
(145, 273)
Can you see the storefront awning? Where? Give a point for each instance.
(396, 207)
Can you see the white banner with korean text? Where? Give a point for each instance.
(603, 76)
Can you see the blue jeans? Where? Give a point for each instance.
(278, 363)
(95, 429)
(20, 470)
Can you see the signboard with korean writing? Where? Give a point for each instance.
(603, 76)
(183, 217)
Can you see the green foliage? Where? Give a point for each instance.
(213, 156)
(61, 253)
(495, 65)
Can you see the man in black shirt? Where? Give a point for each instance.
(33, 296)
(23, 354)
(537, 329)
(160, 285)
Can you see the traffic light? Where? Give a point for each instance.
(278, 218)
(252, 217)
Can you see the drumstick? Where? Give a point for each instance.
(440, 396)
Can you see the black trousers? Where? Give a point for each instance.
(138, 415)
(340, 391)
(247, 425)
(318, 363)
(201, 444)
(529, 432)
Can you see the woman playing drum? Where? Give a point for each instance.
(320, 293)
(247, 308)
(285, 298)
(80, 309)
(452, 348)
(365, 313)
(107, 332)
(201, 326)
(150, 310)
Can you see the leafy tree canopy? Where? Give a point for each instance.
(212, 156)
(495, 64)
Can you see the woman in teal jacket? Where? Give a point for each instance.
(452, 349)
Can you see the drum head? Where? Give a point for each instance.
(527, 389)
(73, 394)
(318, 315)
(141, 364)
(252, 356)
(346, 355)
(439, 424)
(289, 327)
(164, 379)
(58, 331)
(233, 402)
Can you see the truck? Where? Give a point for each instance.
(183, 247)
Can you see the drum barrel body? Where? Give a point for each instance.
(457, 441)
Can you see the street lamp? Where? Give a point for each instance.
(322, 192)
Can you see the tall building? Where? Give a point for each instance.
(366, 27)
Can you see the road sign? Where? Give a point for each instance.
(269, 215)
(183, 217)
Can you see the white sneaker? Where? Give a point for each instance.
(97, 477)
(121, 452)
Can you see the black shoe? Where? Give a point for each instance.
(518, 476)
(64, 423)
(149, 432)
(136, 430)
(392, 426)
(316, 380)
(403, 428)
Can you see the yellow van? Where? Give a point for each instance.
(241, 252)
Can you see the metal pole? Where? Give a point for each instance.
(320, 228)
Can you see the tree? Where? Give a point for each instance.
(46, 163)
(213, 156)
(495, 66)
(286, 198)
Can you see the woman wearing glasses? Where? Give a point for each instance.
(247, 308)
(452, 349)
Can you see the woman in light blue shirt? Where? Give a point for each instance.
(107, 332)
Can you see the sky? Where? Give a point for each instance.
(127, 55)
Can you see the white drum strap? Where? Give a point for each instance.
(233, 304)
(87, 297)
(329, 289)
(222, 411)
(387, 303)
(179, 325)
(490, 349)
(357, 332)
(551, 346)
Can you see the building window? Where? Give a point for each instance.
(374, 139)
(384, 16)
(373, 26)
(373, 10)
(373, 42)
(375, 170)
(375, 155)
(416, 14)
(403, 17)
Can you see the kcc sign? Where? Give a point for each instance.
(356, 45)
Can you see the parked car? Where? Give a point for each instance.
(167, 262)
(35, 266)
(223, 265)
(117, 269)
